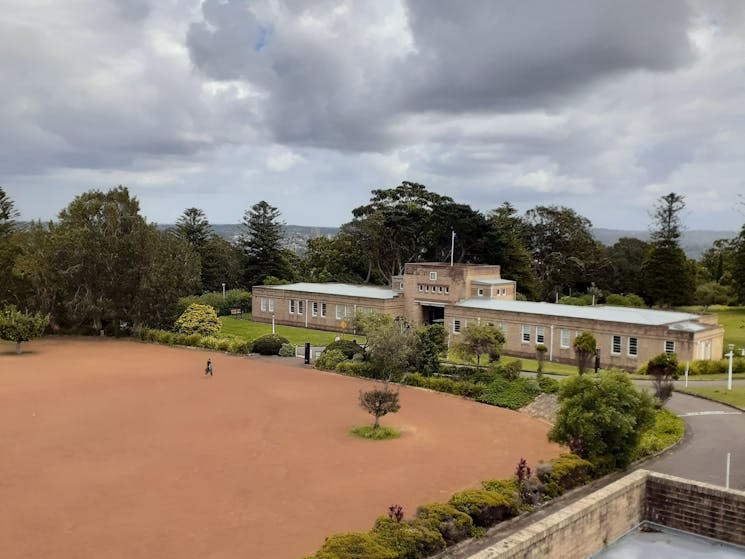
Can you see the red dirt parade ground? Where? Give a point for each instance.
(120, 449)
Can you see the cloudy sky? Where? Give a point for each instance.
(600, 105)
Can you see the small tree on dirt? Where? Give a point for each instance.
(540, 356)
(379, 403)
(585, 346)
(198, 319)
(19, 327)
(478, 339)
(664, 369)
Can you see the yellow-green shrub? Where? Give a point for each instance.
(453, 524)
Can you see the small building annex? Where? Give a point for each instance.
(457, 295)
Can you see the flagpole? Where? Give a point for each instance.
(452, 247)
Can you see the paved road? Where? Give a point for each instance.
(712, 430)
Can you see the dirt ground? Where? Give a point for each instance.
(119, 449)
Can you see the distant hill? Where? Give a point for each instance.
(694, 242)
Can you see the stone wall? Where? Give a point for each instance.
(580, 529)
(700, 508)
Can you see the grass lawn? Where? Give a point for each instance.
(734, 397)
(246, 328)
(732, 318)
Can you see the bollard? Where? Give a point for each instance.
(307, 353)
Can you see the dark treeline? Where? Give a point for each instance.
(100, 264)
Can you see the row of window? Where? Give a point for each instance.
(423, 288)
(500, 291)
(297, 307)
(632, 343)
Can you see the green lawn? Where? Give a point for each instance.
(734, 397)
(246, 328)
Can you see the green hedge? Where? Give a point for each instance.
(270, 344)
(485, 507)
(454, 525)
(230, 345)
(717, 367)
(564, 473)
(667, 430)
(354, 546)
(348, 347)
(287, 350)
(329, 359)
(442, 384)
(355, 368)
(411, 539)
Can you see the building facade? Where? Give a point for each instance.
(462, 294)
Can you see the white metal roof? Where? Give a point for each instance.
(690, 326)
(492, 281)
(627, 315)
(344, 289)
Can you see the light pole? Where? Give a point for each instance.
(223, 290)
(272, 323)
(731, 353)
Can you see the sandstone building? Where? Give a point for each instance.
(455, 296)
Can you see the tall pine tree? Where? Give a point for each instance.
(667, 277)
(262, 244)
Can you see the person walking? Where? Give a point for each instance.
(208, 370)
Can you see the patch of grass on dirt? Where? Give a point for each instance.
(246, 328)
(734, 397)
(379, 434)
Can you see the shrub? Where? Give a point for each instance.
(563, 473)
(453, 524)
(198, 319)
(354, 546)
(485, 507)
(411, 539)
(667, 430)
(287, 350)
(269, 344)
(463, 373)
(505, 486)
(374, 433)
(329, 359)
(348, 347)
(238, 345)
(509, 369)
(548, 385)
(355, 368)
(512, 394)
(449, 386)
(483, 376)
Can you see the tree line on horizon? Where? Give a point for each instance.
(100, 262)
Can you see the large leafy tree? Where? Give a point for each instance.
(565, 254)
(8, 213)
(513, 256)
(390, 345)
(261, 241)
(476, 340)
(102, 265)
(10, 290)
(667, 278)
(602, 418)
(625, 258)
(738, 265)
(396, 227)
(336, 259)
(19, 327)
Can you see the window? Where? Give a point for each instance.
(271, 305)
(314, 309)
(426, 288)
(400, 285)
(539, 335)
(564, 338)
(615, 345)
(433, 276)
(263, 304)
(633, 347)
(347, 314)
(456, 326)
(338, 312)
(447, 289)
(669, 347)
(439, 289)
(526, 334)
(480, 292)
(300, 307)
(292, 306)
(323, 309)
(421, 288)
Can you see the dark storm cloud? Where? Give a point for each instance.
(337, 91)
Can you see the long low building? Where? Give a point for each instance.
(455, 296)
